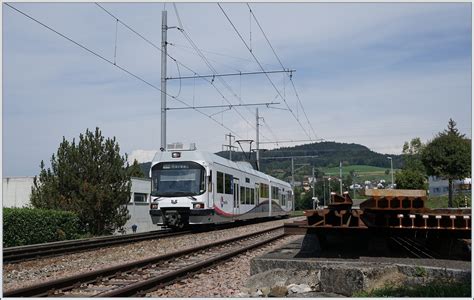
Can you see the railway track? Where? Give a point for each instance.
(22, 253)
(142, 276)
(415, 248)
(29, 252)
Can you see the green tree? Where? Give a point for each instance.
(89, 178)
(135, 171)
(304, 201)
(410, 179)
(411, 155)
(448, 156)
(412, 175)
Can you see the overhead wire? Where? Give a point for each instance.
(281, 64)
(221, 54)
(187, 50)
(114, 64)
(175, 60)
(261, 67)
(211, 67)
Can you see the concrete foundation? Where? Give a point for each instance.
(288, 265)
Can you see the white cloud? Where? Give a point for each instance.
(141, 155)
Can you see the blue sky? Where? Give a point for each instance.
(376, 74)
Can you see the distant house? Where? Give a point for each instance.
(439, 186)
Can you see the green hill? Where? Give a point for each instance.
(329, 154)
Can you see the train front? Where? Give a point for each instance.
(178, 192)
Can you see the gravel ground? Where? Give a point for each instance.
(225, 280)
(28, 273)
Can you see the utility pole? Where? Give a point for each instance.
(164, 29)
(314, 183)
(340, 176)
(391, 169)
(324, 191)
(292, 172)
(257, 140)
(229, 147)
(353, 186)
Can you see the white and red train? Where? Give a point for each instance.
(195, 187)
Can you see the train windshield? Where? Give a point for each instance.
(172, 179)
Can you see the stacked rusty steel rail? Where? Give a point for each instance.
(393, 212)
(139, 277)
(21, 253)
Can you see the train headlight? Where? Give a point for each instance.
(154, 206)
(176, 154)
(198, 205)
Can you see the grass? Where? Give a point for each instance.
(296, 213)
(442, 201)
(363, 172)
(434, 289)
(437, 202)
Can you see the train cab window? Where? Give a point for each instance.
(220, 182)
(178, 179)
(228, 188)
(242, 195)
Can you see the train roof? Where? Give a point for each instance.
(212, 158)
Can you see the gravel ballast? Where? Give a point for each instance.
(32, 272)
(225, 280)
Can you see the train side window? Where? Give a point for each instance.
(257, 194)
(275, 193)
(247, 195)
(210, 182)
(264, 190)
(252, 196)
(242, 195)
(220, 182)
(228, 184)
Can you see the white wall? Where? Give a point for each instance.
(16, 191)
(140, 211)
(141, 185)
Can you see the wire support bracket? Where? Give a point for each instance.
(230, 106)
(230, 74)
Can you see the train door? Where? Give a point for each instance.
(236, 206)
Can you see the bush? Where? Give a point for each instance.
(24, 226)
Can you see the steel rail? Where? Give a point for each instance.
(29, 252)
(47, 288)
(168, 278)
(16, 254)
(412, 248)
